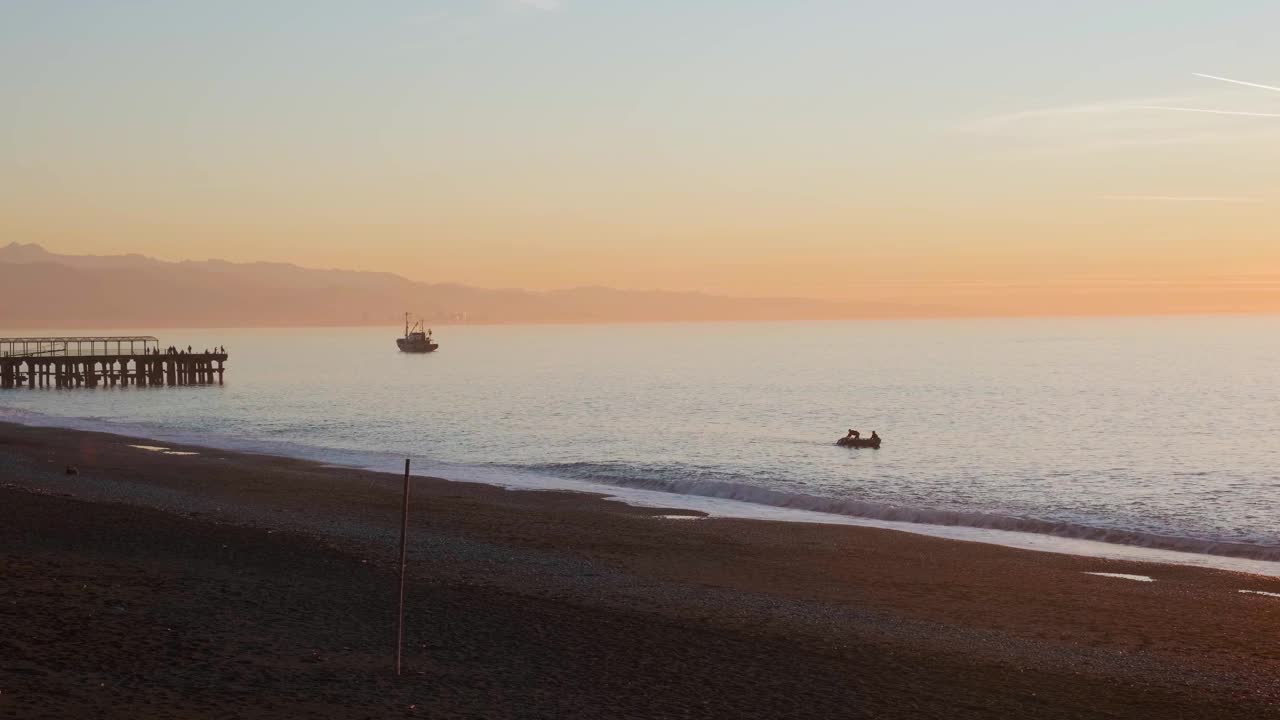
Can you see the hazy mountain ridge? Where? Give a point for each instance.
(46, 290)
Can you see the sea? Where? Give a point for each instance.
(1132, 438)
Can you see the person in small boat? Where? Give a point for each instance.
(874, 436)
(853, 435)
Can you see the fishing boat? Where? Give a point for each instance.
(415, 340)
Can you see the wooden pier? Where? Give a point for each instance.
(90, 362)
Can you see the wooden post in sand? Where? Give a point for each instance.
(404, 534)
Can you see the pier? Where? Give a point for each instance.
(90, 362)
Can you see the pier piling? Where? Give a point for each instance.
(91, 362)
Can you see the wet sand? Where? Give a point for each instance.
(218, 584)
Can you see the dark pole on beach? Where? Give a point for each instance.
(404, 534)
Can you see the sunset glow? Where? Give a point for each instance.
(982, 162)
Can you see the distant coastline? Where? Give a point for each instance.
(91, 291)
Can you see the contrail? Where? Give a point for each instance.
(1237, 82)
(1212, 112)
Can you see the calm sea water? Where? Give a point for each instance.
(1155, 432)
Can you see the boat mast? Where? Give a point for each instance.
(406, 324)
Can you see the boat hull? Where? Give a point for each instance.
(415, 347)
(859, 442)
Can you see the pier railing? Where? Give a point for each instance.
(72, 362)
(78, 346)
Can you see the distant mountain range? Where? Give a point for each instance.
(40, 289)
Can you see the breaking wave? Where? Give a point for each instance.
(671, 479)
(713, 484)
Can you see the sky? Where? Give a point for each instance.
(1026, 156)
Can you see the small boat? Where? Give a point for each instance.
(415, 340)
(853, 442)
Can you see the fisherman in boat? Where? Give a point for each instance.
(855, 439)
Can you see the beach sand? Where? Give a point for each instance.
(218, 584)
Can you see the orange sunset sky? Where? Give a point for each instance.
(1091, 157)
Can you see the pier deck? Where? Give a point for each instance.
(89, 362)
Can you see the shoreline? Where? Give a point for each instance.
(255, 576)
(1054, 537)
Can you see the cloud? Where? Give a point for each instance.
(469, 15)
(1206, 117)
(1184, 198)
(1137, 141)
(1215, 111)
(1139, 124)
(1108, 112)
(1005, 121)
(433, 17)
(542, 5)
(1237, 82)
(1237, 113)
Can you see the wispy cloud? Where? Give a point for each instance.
(1111, 108)
(1206, 117)
(432, 17)
(1237, 113)
(1218, 111)
(542, 5)
(1021, 118)
(1141, 124)
(1237, 82)
(1184, 198)
(1082, 117)
(470, 17)
(1106, 145)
